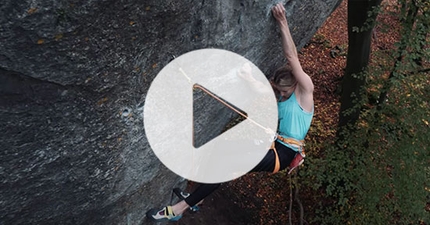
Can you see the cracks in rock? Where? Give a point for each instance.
(12, 82)
(6, 72)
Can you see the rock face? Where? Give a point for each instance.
(73, 79)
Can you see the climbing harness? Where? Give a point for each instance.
(298, 159)
(296, 144)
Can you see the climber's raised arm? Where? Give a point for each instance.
(304, 82)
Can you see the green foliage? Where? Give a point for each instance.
(370, 21)
(378, 172)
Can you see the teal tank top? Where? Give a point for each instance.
(294, 122)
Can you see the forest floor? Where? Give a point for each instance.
(262, 198)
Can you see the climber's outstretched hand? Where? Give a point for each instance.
(278, 12)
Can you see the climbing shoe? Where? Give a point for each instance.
(166, 214)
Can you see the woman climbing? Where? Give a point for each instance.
(294, 91)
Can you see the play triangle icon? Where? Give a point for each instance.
(204, 121)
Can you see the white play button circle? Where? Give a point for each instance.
(233, 82)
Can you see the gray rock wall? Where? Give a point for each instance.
(73, 78)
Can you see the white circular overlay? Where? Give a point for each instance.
(169, 121)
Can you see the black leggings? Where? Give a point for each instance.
(267, 164)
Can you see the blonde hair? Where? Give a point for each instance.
(284, 77)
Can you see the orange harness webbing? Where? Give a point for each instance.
(277, 163)
(291, 141)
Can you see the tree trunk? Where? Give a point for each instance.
(361, 17)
